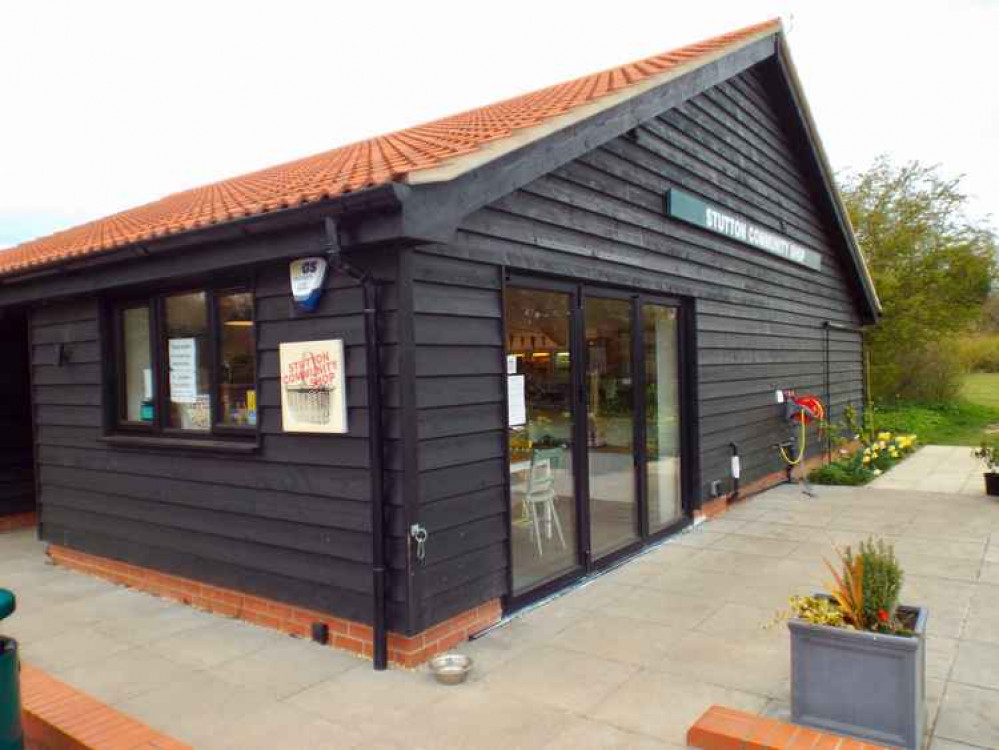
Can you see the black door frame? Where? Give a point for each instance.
(578, 292)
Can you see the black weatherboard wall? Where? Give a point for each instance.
(584, 202)
(17, 489)
(292, 520)
(759, 319)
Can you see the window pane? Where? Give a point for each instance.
(662, 413)
(543, 517)
(137, 405)
(237, 365)
(188, 357)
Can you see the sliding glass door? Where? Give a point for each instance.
(661, 357)
(610, 434)
(593, 396)
(544, 528)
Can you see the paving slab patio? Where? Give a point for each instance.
(628, 660)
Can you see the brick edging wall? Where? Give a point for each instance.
(17, 521)
(57, 716)
(404, 651)
(721, 728)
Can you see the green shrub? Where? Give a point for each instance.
(848, 473)
(980, 353)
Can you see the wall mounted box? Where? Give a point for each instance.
(862, 684)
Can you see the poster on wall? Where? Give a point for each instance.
(313, 395)
(183, 355)
(517, 403)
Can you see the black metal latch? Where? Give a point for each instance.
(420, 535)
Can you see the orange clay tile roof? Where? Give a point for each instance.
(360, 165)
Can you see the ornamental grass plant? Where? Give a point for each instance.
(863, 594)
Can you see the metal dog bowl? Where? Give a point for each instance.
(451, 669)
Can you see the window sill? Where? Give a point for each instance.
(207, 445)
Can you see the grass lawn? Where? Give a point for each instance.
(960, 422)
(982, 388)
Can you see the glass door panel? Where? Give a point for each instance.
(662, 415)
(610, 407)
(542, 488)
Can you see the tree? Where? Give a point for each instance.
(989, 323)
(932, 267)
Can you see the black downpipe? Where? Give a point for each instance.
(828, 366)
(373, 371)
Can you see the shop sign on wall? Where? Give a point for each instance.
(691, 209)
(313, 394)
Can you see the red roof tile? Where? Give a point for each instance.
(357, 166)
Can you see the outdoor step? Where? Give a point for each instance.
(721, 728)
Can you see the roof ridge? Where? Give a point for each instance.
(361, 164)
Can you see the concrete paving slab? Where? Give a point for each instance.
(977, 664)
(570, 680)
(214, 644)
(584, 733)
(627, 661)
(74, 647)
(116, 677)
(286, 667)
(623, 639)
(478, 717)
(197, 708)
(664, 705)
(969, 714)
(279, 725)
(664, 607)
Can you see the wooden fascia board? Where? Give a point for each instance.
(790, 78)
(277, 235)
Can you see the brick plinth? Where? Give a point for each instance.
(18, 521)
(404, 651)
(719, 505)
(57, 716)
(721, 728)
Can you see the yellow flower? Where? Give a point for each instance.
(884, 436)
(866, 459)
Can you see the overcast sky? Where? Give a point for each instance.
(107, 105)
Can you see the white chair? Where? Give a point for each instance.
(540, 497)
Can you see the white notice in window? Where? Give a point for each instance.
(183, 371)
(516, 402)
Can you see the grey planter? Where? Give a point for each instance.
(865, 685)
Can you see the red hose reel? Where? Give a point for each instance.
(806, 409)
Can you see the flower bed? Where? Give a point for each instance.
(879, 450)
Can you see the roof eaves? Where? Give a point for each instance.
(463, 163)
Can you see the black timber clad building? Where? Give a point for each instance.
(566, 358)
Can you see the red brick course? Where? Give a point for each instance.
(719, 505)
(403, 650)
(18, 521)
(721, 728)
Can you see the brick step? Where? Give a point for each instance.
(721, 728)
